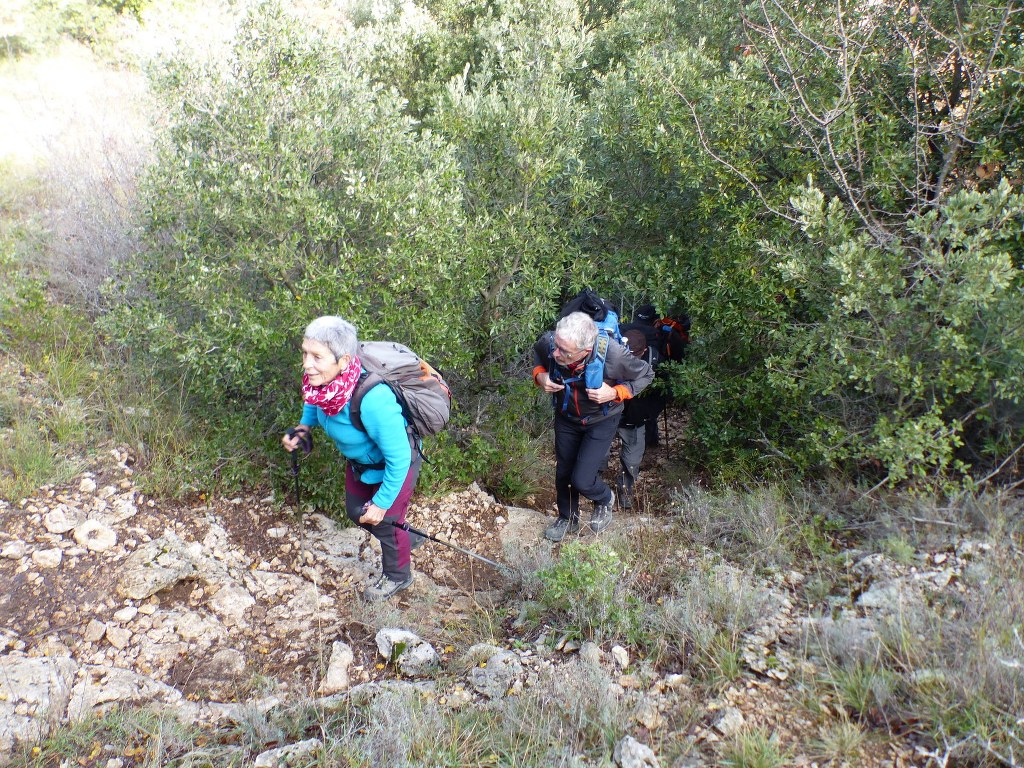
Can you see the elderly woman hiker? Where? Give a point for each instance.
(585, 419)
(383, 464)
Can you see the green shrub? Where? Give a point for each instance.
(587, 591)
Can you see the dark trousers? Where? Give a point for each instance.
(631, 453)
(394, 542)
(581, 450)
(651, 432)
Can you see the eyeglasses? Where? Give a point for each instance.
(569, 353)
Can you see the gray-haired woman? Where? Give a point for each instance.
(382, 466)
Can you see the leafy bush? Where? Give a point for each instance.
(868, 339)
(586, 588)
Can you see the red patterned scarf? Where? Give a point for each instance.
(334, 395)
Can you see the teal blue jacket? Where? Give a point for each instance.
(385, 440)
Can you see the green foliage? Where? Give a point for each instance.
(864, 686)
(43, 422)
(867, 369)
(920, 352)
(90, 22)
(845, 230)
(290, 185)
(842, 740)
(586, 587)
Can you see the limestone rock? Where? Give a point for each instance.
(102, 686)
(14, 550)
(730, 722)
(290, 754)
(48, 558)
(230, 604)
(630, 753)
(620, 656)
(337, 677)
(95, 535)
(592, 653)
(155, 566)
(413, 655)
(33, 694)
(119, 637)
(57, 520)
(497, 675)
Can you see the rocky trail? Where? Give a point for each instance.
(111, 597)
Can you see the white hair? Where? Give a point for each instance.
(579, 328)
(335, 333)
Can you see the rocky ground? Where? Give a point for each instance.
(112, 597)
(209, 607)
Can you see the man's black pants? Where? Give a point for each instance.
(581, 451)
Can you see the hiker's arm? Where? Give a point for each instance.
(541, 365)
(543, 380)
(630, 373)
(382, 417)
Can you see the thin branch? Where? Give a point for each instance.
(722, 161)
(999, 469)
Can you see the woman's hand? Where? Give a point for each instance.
(372, 514)
(604, 394)
(294, 438)
(545, 383)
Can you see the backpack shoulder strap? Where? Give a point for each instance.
(367, 381)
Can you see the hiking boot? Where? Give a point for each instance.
(384, 588)
(602, 515)
(558, 529)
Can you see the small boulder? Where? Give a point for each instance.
(630, 753)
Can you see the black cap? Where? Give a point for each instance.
(645, 313)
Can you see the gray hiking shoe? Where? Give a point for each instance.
(602, 515)
(384, 588)
(558, 529)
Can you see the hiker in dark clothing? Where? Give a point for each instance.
(585, 419)
(637, 414)
(669, 345)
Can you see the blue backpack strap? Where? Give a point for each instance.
(594, 371)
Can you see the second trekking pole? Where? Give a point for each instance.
(406, 527)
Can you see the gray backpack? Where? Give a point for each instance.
(425, 398)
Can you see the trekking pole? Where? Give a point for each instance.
(424, 534)
(665, 412)
(306, 443)
(295, 474)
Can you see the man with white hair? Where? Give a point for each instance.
(586, 414)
